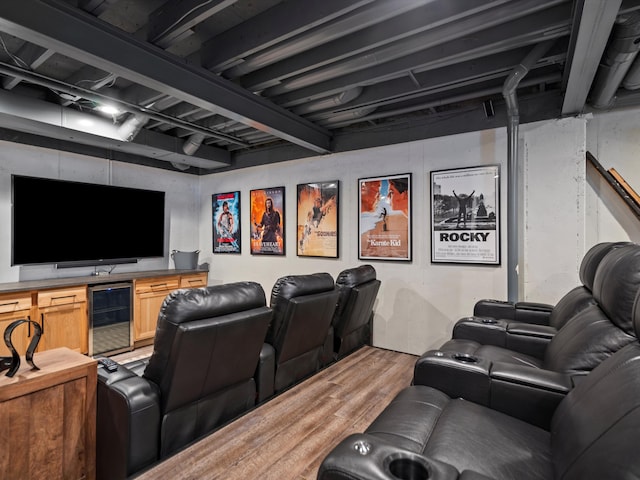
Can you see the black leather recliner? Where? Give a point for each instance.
(425, 434)
(556, 315)
(200, 376)
(303, 306)
(353, 319)
(528, 327)
(494, 376)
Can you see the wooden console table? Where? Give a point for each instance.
(48, 418)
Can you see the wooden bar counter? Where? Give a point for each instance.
(48, 418)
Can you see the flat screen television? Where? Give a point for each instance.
(76, 224)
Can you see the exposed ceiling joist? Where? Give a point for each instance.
(91, 41)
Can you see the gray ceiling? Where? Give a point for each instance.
(212, 85)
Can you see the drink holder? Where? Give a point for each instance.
(13, 362)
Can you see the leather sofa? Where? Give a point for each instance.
(502, 378)
(303, 307)
(424, 433)
(200, 376)
(353, 319)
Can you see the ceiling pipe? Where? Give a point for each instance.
(513, 121)
(632, 79)
(60, 86)
(618, 57)
(550, 78)
(132, 126)
(335, 101)
(192, 143)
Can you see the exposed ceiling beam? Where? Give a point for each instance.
(592, 26)
(550, 23)
(30, 56)
(268, 28)
(92, 41)
(367, 40)
(173, 21)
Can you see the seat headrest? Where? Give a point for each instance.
(616, 285)
(356, 276)
(592, 259)
(190, 304)
(297, 285)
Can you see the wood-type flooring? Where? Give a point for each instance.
(287, 437)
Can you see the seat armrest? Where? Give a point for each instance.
(127, 423)
(531, 312)
(484, 330)
(265, 373)
(364, 456)
(527, 393)
(529, 338)
(494, 308)
(456, 374)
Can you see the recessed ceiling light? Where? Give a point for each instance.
(110, 109)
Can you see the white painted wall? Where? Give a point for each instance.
(553, 208)
(562, 215)
(181, 215)
(614, 139)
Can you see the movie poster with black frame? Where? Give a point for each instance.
(267, 221)
(465, 215)
(225, 208)
(384, 218)
(317, 219)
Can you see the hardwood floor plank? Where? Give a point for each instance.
(289, 436)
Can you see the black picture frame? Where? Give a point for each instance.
(226, 222)
(384, 218)
(465, 224)
(317, 232)
(267, 237)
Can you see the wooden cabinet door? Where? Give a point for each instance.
(150, 293)
(194, 280)
(15, 307)
(49, 418)
(62, 313)
(64, 326)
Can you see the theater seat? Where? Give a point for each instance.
(303, 306)
(353, 319)
(554, 316)
(199, 376)
(487, 374)
(424, 433)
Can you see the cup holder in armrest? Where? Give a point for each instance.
(464, 358)
(405, 467)
(488, 320)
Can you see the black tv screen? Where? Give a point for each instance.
(68, 223)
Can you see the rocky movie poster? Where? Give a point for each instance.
(385, 217)
(317, 232)
(465, 215)
(267, 221)
(226, 222)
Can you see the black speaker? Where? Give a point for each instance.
(488, 108)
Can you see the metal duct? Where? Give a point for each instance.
(620, 53)
(513, 122)
(132, 126)
(632, 80)
(335, 101)
(192, 143)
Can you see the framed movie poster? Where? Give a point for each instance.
(226, 222)
(465, 215)
(267, 221)
(317, 227)
(384, 218)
